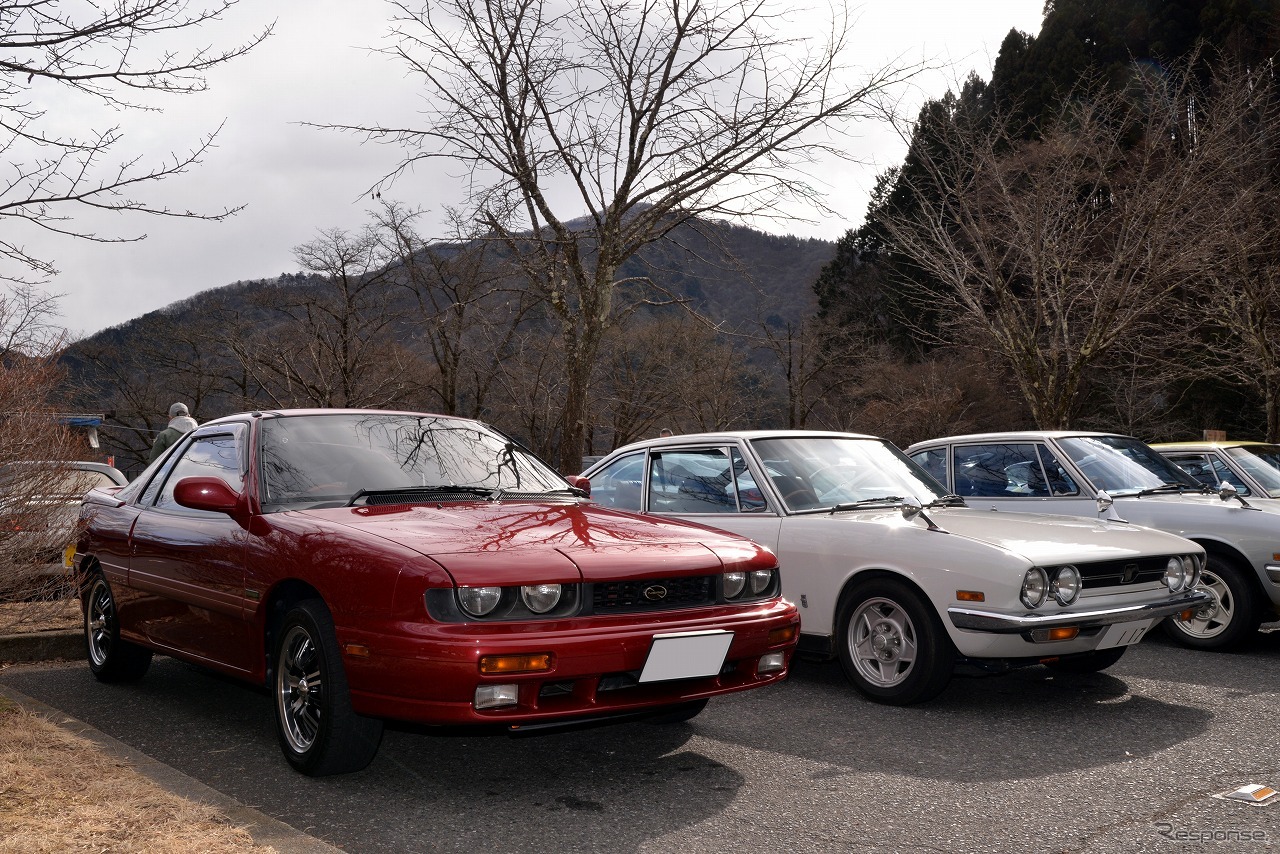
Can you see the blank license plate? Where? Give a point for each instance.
(1123, 634)
(686, 655)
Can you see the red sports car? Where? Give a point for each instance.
(369, 565)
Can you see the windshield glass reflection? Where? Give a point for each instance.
(821, 472)
(1122, 465)
(313, 460)
(1262, 463)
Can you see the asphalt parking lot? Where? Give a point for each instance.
(1128, 760)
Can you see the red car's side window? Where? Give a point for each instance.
(208, 456)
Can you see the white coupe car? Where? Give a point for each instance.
(900, 580)
(1103, 475)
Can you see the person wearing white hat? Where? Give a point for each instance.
(180, 421)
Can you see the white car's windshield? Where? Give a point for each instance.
(1120, 465)
(310, 460)
(822, 472)
(1262, 463)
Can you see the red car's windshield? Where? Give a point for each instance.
(325, 459)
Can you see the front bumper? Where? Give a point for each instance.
(432, 678)
(973, 620)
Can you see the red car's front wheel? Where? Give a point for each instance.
(318, 731)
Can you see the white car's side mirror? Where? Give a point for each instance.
(1104, 501)
(910, 508)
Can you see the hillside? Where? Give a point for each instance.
(448, 333)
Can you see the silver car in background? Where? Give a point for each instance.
(40, 510)
(1108, 476)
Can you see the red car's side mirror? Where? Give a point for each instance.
(206, 493)
(580, 482)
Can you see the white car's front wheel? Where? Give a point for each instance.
(891, 644)
(1229, 619)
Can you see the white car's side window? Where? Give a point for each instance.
(697, 480)
(999, 471)
(619, 484)
(1060, 483)
(934, 461)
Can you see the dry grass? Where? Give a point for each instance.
(61, 793)
(22, 617)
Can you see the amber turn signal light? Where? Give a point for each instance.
(786, 634)
(971, 596)
(1058, 633)
(533, 663)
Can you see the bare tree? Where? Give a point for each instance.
(948, 391)
(1047, 253)
(331, 340)
(815, 360)
(110, 52)
(469, 310)
(170, 357)
(1237, 301)
(591, 129)
(33, 530)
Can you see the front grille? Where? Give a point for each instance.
(1112, 573)
(611, 597)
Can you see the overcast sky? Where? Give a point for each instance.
(297, 180)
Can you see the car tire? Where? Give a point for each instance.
(892, 645)
(1230, 620)
(1089, 662)
(110, 658)
(318, 731)
(679, 714)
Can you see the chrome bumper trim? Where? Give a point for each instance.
(990, 621)
(1273, 573)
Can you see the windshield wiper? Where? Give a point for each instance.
(575, 491)
(1156, 490)
(481, 491)
(948, 500)
(867, 502)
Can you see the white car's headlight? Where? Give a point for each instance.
(478, 601)
(1193, 576)
(1065, 586)
(1175, 574)
(1034, 586)
(733, 584)
(540, 598)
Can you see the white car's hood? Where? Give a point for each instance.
(1045, 539)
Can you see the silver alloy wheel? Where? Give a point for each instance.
(299, 688)
(1213, 619)
(100, 615)
(882, 640)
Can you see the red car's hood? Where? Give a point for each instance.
(508, 542)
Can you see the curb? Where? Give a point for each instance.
(265, 830)
(42, 646)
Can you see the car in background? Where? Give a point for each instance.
(1105, 475)
(40, 508)
(1251, 468)
(897, 578)
(371, 565)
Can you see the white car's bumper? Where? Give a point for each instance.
(974, 620)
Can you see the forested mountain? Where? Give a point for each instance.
(1097, 224)
(450, 329)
